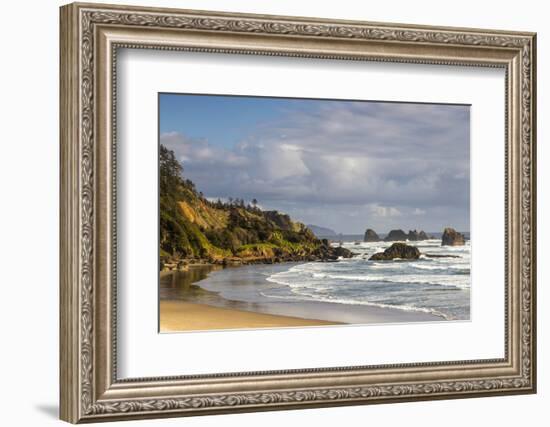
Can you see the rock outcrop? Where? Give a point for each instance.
(339, 252)
(415, 236)
(326, 252)
(400, 236)
(397, 250)
(264, 254)
(371, 236)
(451, 237)
(396, 235)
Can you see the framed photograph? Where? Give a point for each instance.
(266, 212)
(333, 162)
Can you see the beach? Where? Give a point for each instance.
(209, 297)
(179, 316)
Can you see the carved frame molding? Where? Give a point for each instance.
(90, 37)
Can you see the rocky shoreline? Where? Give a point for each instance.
(323, 253)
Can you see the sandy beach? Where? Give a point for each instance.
(208, 298)
(185, 316)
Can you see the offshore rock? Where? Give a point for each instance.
(371, 236)
(397, 250)
(396, 235)
(415, 236)
(451, 237)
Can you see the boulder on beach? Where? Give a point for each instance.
(371, 236)
(397, 250)
(396, 235)
(451, 237)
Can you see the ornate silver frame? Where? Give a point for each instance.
(90, 36)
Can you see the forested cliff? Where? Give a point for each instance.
(195, 228)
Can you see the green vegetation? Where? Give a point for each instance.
(192, 227)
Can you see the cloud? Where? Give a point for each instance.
(383, 160)
(384, 211)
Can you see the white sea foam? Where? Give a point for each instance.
(295, 281)
(443, 268)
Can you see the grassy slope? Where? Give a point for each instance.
(208, 231)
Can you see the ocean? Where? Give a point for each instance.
(439, 286)
(346, 290)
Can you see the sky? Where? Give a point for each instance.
(345, 165)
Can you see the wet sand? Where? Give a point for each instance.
(185, 316)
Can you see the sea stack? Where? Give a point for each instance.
(371, 236)
(397, 250)
(451, 237)
(414, 235)
(396, 235)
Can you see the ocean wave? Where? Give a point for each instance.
(441, 267)
(348, 301)
(293, 280)
(427, 266)
(438, 286)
